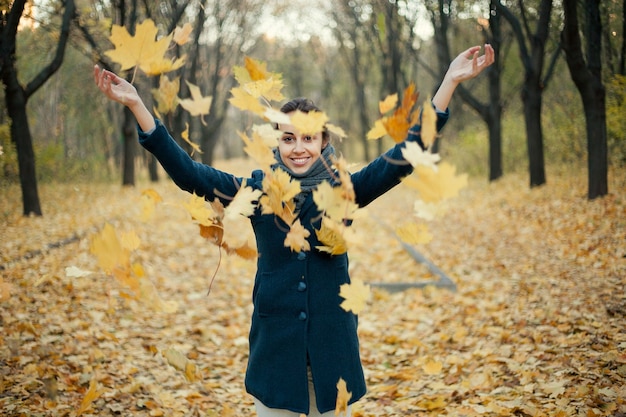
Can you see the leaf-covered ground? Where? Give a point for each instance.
(537, 326)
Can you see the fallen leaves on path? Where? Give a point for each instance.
(537, 326)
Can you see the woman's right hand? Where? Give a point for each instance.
(115, 88)
(118, 89)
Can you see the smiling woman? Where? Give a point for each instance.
(302, 342)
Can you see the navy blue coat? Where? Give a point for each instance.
(297, 319)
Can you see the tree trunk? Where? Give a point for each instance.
(21, 136)
(17, 96)
(129, 136)
(588, 79)
(531, 97)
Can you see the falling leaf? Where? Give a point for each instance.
(244, 101)
(355, 294)
(388, 103)
(257, 148)
(243, 204)
(108, 249)
(428, 131)
(296, 238)
(397, 125)
(198, 209)
(90, 396)
(378, 131)
(415, 155)
(142, 50)
(336, 130)
(333, 203)
(343, 397)
(426, 211)
(182, 34)
(309, 123)
(279, 190)
(330, 235)
(198, 104)
(166, 95)
(185, 135)
(435, 186)
(414, 233)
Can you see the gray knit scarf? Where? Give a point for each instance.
(319, 171)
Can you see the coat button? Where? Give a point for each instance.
(302, 316)
(302, 286)
(301, 256)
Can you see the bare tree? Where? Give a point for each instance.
(17, 95)
(587, 75)
(491, 110)
(532, 48)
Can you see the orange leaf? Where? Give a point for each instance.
(343, 396)
(92, 394)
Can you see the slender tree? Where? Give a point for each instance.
(587, 75)
(532, 49)
(17, 94)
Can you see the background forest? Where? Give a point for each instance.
(531, 320)
(346, 56)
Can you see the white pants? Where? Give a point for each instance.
(263, 411)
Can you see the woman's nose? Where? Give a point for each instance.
(299, 145)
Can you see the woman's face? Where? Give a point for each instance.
(299, 152)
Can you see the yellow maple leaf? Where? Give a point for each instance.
(355, 294)
(296, 238)
(343, 397)
(388, 103)
(244, 101)
(415, 155)
(414, 233)
(141, 50)
(182, 34)
(428, 131)
(279, 190)
(243, 204)
(334, 202)
(435, 186)
(198, 104)
(378, 131)
(108, 249)
(92, 394)
(196, 206)
(330, 235)
(337, 130)
(185, 136)
(166, 95)
(257, 148)
(309, 123)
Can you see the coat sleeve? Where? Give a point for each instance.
(386, 171)
(186, 173)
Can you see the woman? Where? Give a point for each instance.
(301, 341)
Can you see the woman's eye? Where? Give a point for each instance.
(308, 138)
(287, 139)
